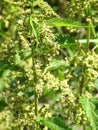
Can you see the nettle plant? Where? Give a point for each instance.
(48, 80)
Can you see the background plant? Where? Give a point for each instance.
(48, 72)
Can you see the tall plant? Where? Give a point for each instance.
(47, 80)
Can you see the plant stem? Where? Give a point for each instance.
(88, 28)
(36, 103)
(81, 85)
(35, 81)
(88, 36)
(34, 46)
(84, 127)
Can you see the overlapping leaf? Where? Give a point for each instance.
(51, 124)
(56, 64)
(89, 108)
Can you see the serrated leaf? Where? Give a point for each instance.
(56, 64)
(49, 124)
(65, 41)
(89, 109)
(63, 22)
(94, 100)
(5, 65)
(58, 120)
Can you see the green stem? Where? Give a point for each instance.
(34, 46)
(81, 85)
(35, 81)
(89, 26)
(88, 35)
(84, 127)
(36, 103)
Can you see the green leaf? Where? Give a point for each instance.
(59, 120)
(49, 124)
(30, 91)
(5, 65)
(65, 41)
(13, 84)
(17, 58)
(94, 100)
(63, 22)
(2, 85)
(48, 93)
(96, 83)
(61, 75)
(2, 33)
(28, 56)
(56, 64)
(89, 109)
(14, 3)
(3, 79)
(3, 104)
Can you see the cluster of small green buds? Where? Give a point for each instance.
(51, 82)
(80, 117)
(46, 10)
(79, 7)
(44, 111)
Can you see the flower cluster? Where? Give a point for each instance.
(51, 82)
(80, 7)
(33, 53)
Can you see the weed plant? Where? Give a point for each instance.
(48, 65)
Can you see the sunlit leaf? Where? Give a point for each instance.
(63, 22)
(56, 64)
(58, 120)
(61, 75)
(50, 124)
(89, 109)
(2, 85)
(17, 58)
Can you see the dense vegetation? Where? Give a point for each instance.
(48, 65)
